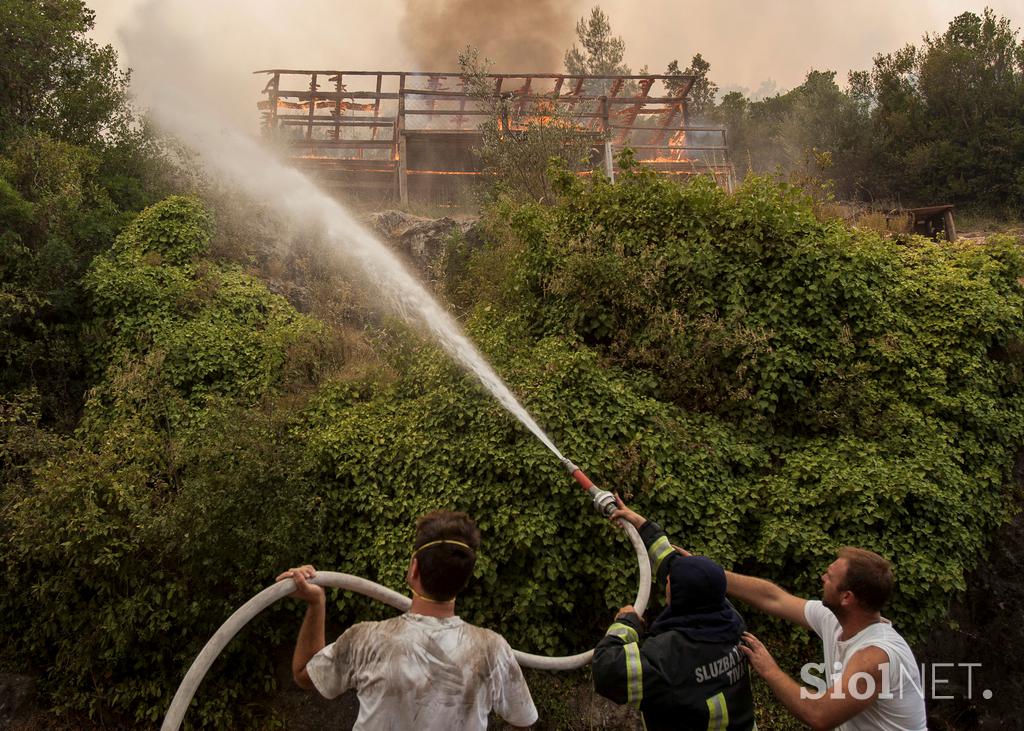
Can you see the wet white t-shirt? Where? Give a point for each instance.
(900, 706)
(417, 672)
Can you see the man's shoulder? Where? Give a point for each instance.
(884, 636)
(484, 635)
(360, 630)
(819, 617)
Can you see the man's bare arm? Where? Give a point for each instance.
(859, 686)
(766, 596)
(761, 594)
(312, 634)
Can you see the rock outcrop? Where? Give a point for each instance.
(423, 242)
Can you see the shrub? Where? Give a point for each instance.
(181, 492)
(767, 386)
(882, 377)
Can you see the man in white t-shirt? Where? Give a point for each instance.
(425, 669)
(870, 679)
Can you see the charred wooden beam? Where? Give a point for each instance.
(312, 106)
(376, 109)
(634, 111)
(400, 153)
(522, 93)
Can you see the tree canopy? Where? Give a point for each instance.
(942, 122)
(600, 53)
(52, 77)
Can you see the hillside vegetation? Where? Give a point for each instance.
(174, 432)
(769, 386)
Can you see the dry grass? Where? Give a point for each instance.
(883, 223)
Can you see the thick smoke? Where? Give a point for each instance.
(745, 44)
(529, 36)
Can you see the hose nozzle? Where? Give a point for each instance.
(604, 501)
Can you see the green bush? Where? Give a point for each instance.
(180, 494)
(55, 216)
(767, 386)
(216, 329)
(550, 568)
(881, 378)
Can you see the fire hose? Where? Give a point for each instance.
(603, 501)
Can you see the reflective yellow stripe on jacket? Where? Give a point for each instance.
(657, 552)
(718, 713)
(634, 675)
(624, 632)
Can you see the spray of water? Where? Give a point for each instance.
(255, 170)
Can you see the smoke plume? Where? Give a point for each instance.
(529, 36)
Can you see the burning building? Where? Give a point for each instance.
(405, 135)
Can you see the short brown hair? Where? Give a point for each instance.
(445, 568)
(868, 576)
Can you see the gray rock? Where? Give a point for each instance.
(421, 241)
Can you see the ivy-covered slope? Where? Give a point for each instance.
(177, 494)
(769, 387)
(881, 378)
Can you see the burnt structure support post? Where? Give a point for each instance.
(339, 87)
(403, 162)
(609, 163)
(274, 85)
(312, 107)
(730, 183)
(376, 108)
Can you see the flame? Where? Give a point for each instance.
(676, 158)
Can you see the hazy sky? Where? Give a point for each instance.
(777, 41)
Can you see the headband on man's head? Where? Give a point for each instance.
(435, 543)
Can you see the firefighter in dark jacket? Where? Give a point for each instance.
(689, 673)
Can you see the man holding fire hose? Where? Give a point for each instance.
(690, 673)
(425, 669)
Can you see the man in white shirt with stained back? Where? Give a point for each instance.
(426, 669)
(871, 679)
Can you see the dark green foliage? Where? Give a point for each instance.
(75, 166)
(53, 78)
(942, 122)
(813, 132)
(767, 386)
(56, 217)
(600, 53)
(179, 495)
(177, 230)
(880, 380)
(214, 329)
(701, 94)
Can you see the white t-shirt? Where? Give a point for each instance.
(900, 707)
(417, 672)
